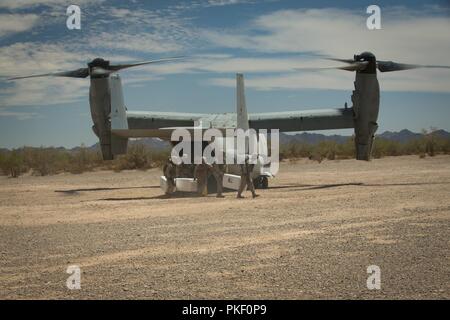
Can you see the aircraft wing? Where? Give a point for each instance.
(134, 124)
(158, 124)
(161, 124)
(321, 119)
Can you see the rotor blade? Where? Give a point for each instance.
(78, 73)
(118, 67)
(388, 66)
(354, 66)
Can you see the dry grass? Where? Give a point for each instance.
(49, 161)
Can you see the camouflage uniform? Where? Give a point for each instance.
(218, 172)
(169, 171)
(185, 171)
(201, 175)
(246, 179)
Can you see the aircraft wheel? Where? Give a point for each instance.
(261, 182)
(264, 182)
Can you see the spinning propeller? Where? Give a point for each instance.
(366, 61)
(96, 68)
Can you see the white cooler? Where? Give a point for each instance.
(164, 185)
(232, 181)
(186, 184)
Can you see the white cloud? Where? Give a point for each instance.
(406, 36)
(341, 80)
(14, 23)
(33, 58)
(19, 115)
(226, 2)
(337, 32)
(47, 91)
(118, 34)
(21, 59)
(29, 57)
(222, 63)
(142, 42)
(190, 5)
(23, 4)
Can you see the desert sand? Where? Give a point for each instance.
(312, 234)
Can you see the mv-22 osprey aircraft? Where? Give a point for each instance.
(114, 124)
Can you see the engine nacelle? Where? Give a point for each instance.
(105, 95)
(366, 102)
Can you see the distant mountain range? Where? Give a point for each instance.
(311, 138)
(404, 135)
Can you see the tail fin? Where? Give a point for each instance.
(241, 108)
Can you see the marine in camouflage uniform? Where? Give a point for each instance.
(169, 171)
(201, 175)
(246, 178)
(218, 172)
(185, 171)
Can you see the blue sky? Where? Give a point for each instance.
(265, 40)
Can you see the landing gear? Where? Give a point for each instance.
(265, 182)
(262, 182)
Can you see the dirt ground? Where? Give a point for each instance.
(312, 234)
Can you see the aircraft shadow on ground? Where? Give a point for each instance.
(175, 195)
(75, 191)
(291, 187)
(301, 187)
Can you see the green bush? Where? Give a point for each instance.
(12, 163)
(429, 144)
(137, 157)
(83, 160)
(47, 161)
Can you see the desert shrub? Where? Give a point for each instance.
(12, 163)
(282, 155)
(326, 149)
(430, 148)
(382, 148)
(316, 156)
(416, 146)
(46, 161)
(431, 141)
(158, 158)
(428, 144)
(346, 150)
(284, 152)
(84, 159)
(445, 146)
(137, 157)
(293, 150)
(2, 161)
